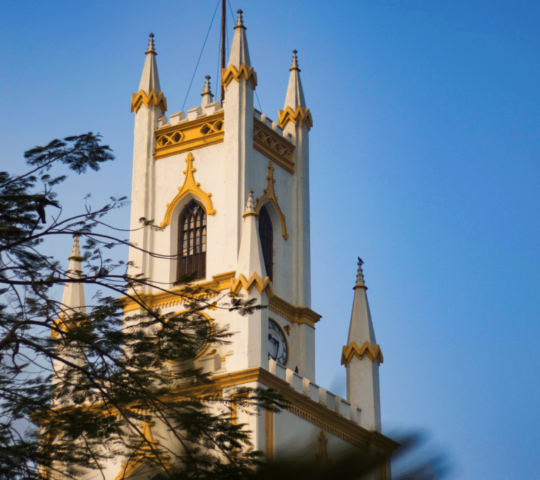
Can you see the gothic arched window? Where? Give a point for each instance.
(266, 235)
(192, 241)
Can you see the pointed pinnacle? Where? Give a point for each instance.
(207, 89)
(250, 206)
(151, 45)
(240, 20)
(294, 62)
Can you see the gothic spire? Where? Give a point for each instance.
(150, 77)
(295, 92)
(239, 51)
(207, 96)
(295, 110)
(361, 326)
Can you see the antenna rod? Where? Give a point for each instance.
(223, 25)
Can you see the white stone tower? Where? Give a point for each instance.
(229, 189)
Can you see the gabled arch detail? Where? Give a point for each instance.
(373, 352)
(298, 116)
(152, 98)
(247, 73)
(270, 196)
(254, 281)
(148, 448)
(190, 186)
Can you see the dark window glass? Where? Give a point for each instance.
(192, 241)
(266, 235)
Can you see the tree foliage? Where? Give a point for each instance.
(82, 386)
(114, 370)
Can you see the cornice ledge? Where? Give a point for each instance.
(300, 315)
(363, 438)
(174, 297)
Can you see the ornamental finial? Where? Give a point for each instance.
(240, 20)
(360, 274)
(151, 45)
(250, 206)
(206, 95)
(207, 89)
(294, 61)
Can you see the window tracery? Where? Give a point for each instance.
(192, 241)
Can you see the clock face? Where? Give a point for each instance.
(196, 331)
(277, 345)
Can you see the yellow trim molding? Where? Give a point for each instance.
(190, 135)
(254, 281)
(62, 325)
(190, 186)
(270, 196)
(223, 281)
(298, 117)
(230, 73)
(142, 98)
(273, 146)
(372, 351)
(174, 297)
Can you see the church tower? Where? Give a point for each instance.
(229, 190)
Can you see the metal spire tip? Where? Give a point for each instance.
(76, 250)
(207, 87)
(240, 20)
(250, 207)
(294, 61)
(151, 45)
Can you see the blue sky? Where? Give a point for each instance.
(424, 162)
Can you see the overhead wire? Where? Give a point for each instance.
(218, 77)
(232, 13)
(202, 50)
